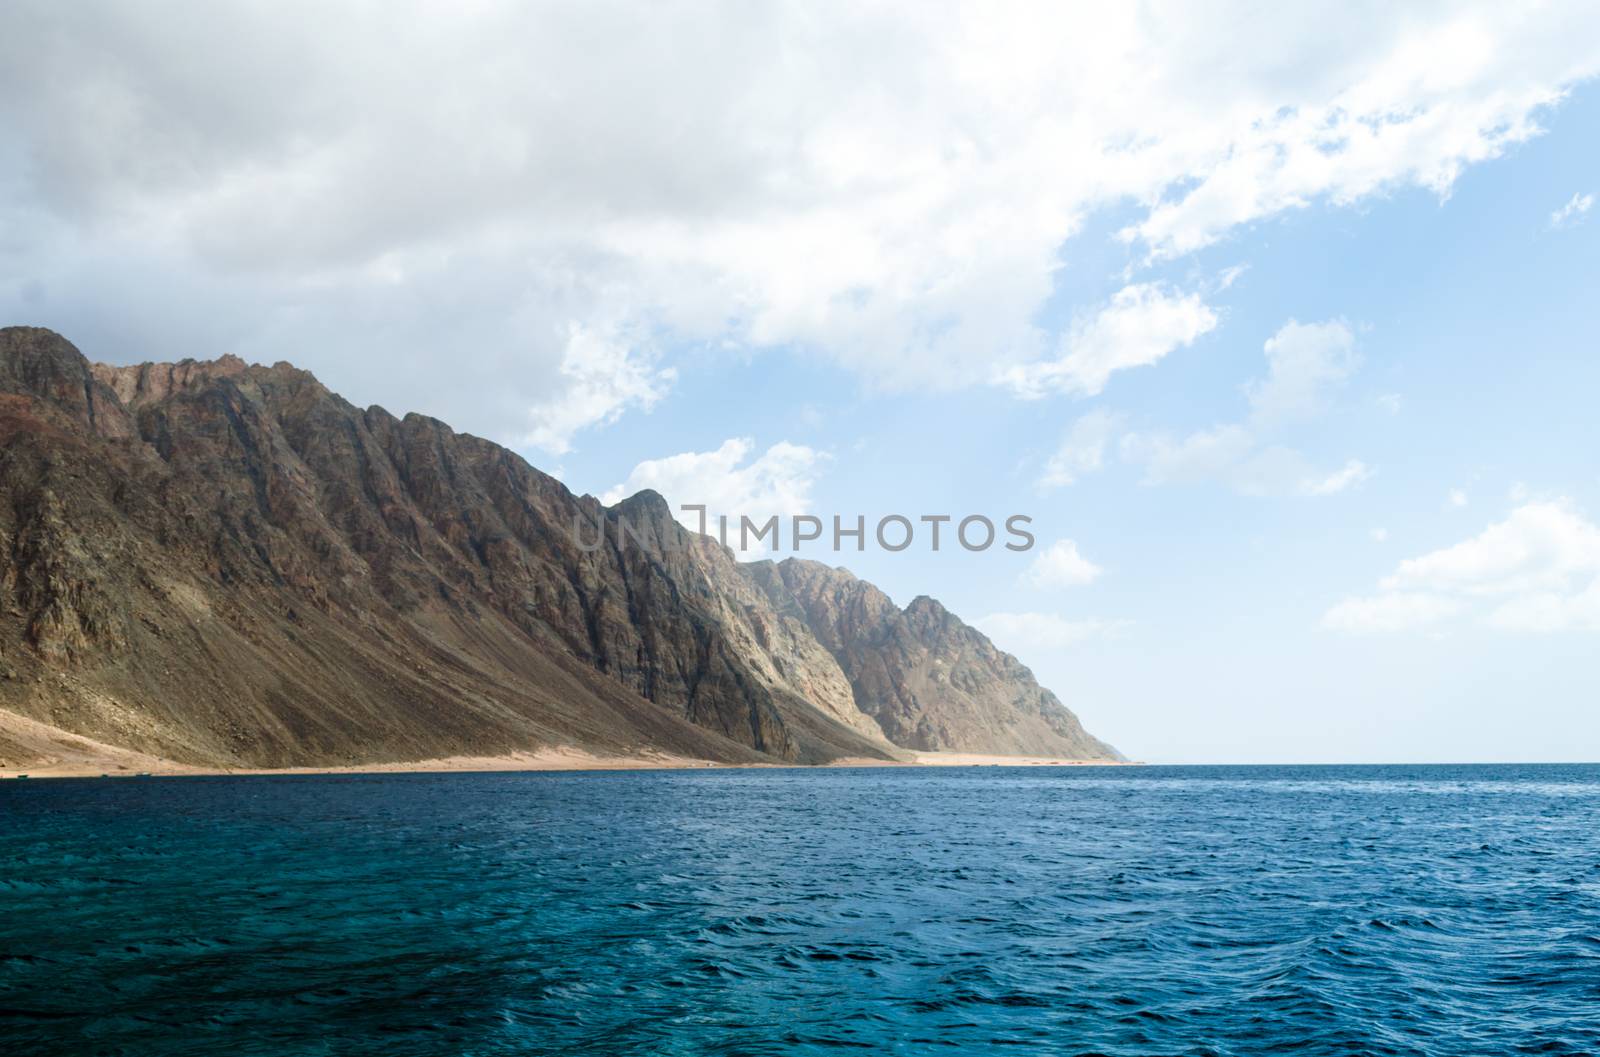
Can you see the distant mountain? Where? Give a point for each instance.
(228, 564)
(930, 681)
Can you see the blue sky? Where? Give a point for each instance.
(1282, 330)
(1475, 321)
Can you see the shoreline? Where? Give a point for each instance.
(544, 760)
(55, 753)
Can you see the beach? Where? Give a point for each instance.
(39, 750)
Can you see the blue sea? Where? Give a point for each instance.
(1137, 911)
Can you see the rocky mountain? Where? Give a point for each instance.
(227, 564)
(930, 681)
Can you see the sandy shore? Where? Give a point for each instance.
(972, 759)
(38, 750)
(126, 764)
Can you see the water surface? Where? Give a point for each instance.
(1127, 911)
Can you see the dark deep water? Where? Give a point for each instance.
(1193, 910)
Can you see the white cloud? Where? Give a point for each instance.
(1541, 546)
(1380, 534)
(1142, 324)
(1231, 275)
(1060, 565)
(1206, 454)
(1538, 570)
(1391, 402)
(604, 378)
(1573, 212)
(1389, 612)
(1238, 458)
(1350, 475)
(1550, 611)
(778, 481)
(1457, 498)
(1036, 634)
(1304, 362)
(1082, 451)
(416, 201)
(1422, 111)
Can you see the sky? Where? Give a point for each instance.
(1278, 322)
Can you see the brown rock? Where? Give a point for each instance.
(228, 564)
(931, 682)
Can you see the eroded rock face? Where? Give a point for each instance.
(929, 680)
(228, 564)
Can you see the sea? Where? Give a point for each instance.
(967, 911)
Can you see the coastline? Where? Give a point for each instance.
(55, 753)
(553, 759)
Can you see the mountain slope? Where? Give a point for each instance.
(228, 564)
(930, 681)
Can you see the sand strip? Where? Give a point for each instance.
(38, 750)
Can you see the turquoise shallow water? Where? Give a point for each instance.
(1381, 910)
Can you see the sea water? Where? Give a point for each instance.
(1156, 910)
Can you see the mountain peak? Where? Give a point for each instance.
(930, 680)
(646, 501)
(228, 564)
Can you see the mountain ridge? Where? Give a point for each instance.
(224, 563)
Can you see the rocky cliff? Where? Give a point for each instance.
(930, 681)
(228, 564)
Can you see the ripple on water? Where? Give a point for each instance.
(1227, 911)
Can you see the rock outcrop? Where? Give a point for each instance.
(930, 681)
(227, 564)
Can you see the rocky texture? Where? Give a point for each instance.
(930, 682)
(227, 564)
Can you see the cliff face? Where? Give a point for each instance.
(930, 681)
(228, 564)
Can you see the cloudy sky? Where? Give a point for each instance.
(1280, 324)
